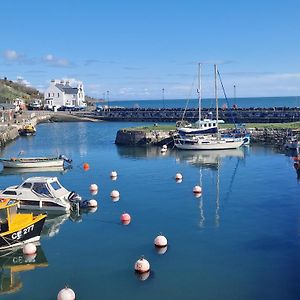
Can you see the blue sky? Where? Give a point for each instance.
(134, 49)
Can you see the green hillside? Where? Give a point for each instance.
(9, 90)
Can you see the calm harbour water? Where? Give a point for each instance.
(240, 240)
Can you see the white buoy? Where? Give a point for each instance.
(29, 249)
(92, 209)
(143, 276)
(113, 174)
(94, 193)
(178, 176)
(164, 149)
(115, 199)
(160, 241)
(161, 250)
(66, 294)
(29, 258)
(142, 265)
(115, 194)
(92, 203)
(93, 187)
(197, 189)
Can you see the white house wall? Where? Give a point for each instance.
(60, 98)
(56, 95)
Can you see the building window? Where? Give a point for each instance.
(57, 95)
(48, 94)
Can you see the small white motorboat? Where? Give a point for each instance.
(42, 193)
(35, 162)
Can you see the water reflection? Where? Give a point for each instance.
(208, 159)
(140, 152)
(211, 161)
(30, 171)
(12, 263)
(53, 223)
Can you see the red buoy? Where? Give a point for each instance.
(86, 166)
(125, 218)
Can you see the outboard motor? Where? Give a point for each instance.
(74, 197)
(66, 159)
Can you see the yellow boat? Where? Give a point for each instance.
(13, 263)
(27, 129)
(17, 229)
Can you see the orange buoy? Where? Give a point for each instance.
(86, 166)
(142, 265)
(125, 218)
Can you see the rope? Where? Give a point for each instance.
(189, 96)
(226, 99)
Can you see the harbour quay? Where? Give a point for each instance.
(238, 115)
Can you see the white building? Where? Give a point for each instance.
(60, 93)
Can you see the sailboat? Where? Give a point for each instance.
(201, 126)
(205, 141)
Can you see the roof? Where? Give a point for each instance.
(67, 88)
(41, 179)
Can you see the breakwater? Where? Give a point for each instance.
(240, 115)
(131, 137)
(138, 137)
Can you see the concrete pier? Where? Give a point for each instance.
(242, 115)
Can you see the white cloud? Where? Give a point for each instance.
(56, 61)
(11, 55)
(23, 81)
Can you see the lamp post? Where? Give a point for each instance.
(163, 97)
(234, 92)
(107, 94)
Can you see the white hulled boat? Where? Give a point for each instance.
(204, 141)
(41, 193)
(34, 162)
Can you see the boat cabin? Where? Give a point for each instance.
(39, 193)
(8, 210)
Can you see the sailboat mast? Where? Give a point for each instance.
(199, 93)
(216, 95)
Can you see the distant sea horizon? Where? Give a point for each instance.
(286, 101)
